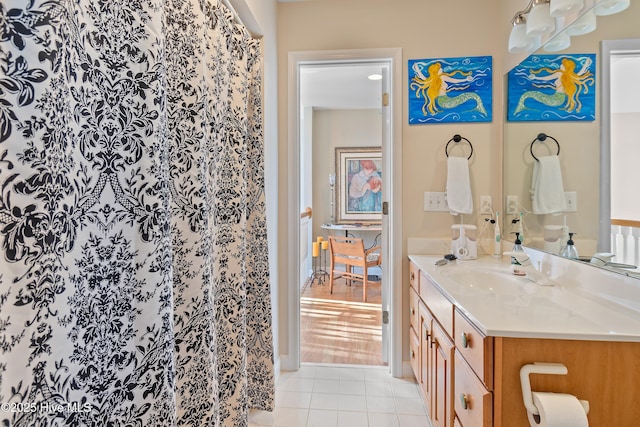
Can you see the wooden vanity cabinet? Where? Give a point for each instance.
(472, 401)
(426, 368)
(444, 373)
(431, 338)
(471, 380)
(414, 328)
(442, 378)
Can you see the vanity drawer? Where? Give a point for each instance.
(414, 352)
(439, 305)
(476, 348)
(472, 401)
(414, 276)
(414, 309)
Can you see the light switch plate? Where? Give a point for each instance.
(435, 202)
(485, 205)
(512, 205)
(571, 197)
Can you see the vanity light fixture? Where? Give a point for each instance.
(583, 25)
(559, 8)
(539, 19)
(559, 42)
(609, 7)
(518, 39)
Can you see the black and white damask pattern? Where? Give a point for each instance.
(134, 286)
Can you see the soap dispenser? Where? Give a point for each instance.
(517, 245)
(570, 250)
(515, 253)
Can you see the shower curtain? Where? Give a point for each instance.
(134, 287)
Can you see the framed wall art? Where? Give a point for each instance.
(358, 185)
(553, 88)
(446, 90)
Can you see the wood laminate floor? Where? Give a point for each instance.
(340, 328)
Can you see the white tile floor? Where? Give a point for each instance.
(343, 396)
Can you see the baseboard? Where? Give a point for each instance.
(407, 371)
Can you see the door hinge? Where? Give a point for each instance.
(385, 208)
(385, 317)
(385, 99)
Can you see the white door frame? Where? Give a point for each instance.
(392, 254)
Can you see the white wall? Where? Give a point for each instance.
(260, 17)
(625, 154)
(625, 128)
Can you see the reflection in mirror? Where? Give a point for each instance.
(620, 150)
(580, 160)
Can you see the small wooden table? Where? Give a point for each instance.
(359, 226)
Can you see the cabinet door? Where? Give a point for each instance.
(414, 352)
(472, 401)
(414, 276)
(475, 348)
(414, 315)
(442, 407)
(426, 334)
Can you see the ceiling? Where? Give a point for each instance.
(340, 86)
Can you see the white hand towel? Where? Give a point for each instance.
(459, 186)
(547, 190)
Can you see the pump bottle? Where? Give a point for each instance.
(570, 250)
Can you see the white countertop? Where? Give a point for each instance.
(504, 305)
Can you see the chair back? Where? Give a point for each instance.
(347, 250)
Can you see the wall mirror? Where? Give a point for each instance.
(580, 156)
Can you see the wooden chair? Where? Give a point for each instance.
(350, 252)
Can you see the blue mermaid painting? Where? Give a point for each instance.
(450, 90)
(552, 88)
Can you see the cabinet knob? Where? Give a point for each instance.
(413, 311)
(413, 354)
(412, 276)
(466, 340)
(465, 401)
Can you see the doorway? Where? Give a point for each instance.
(389, 62)
(619, 213)
(341, 110)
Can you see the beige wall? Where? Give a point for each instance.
(331, 129)
(423, 29)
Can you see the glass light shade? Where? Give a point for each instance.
(560, 42)
(559, 8)
(539, 21)
(518, 39)
(583, 25)
(609, 7)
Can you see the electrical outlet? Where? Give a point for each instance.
(571, 198)
(485, 205)
(512, 205)
(435, 202)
